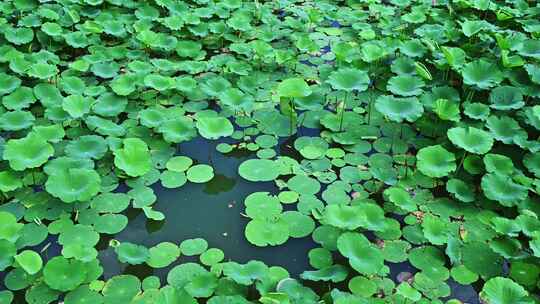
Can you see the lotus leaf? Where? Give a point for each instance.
(133, 158)
(74, 185)
(258, 170)
(399, 109)
(131, 253)
(214, 127)
(405, 85)
(348, 80)
(482, 74)
(503, 189)
(471, 139)
(501, 290)
(63, 274)
(192, 247)
(30, 261)
(262, 232)
(363, 256)
(293, 88)
(27, 152)
(435, 161)
(200, 173)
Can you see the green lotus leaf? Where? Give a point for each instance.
(64, 275)
(353, 217)
(16, 120)
(30, 261)
(163, 254)
(461, 190)
(362, 286)
(20, 98)
(463, 275)
(179, 163)
(133, 158)
(399, 109)
(74, 185)
(506, 98)
(534, 72)
(293, 88)
(6, 296)
(247, 273)
(9, 228)
(335, 273)
(471, 139)
(51, 29)
(8, 252)
(110, 202)
(73, 85)
(405, 85)
(77, 105)
(202, 286)
(9, 181)
(178, 130)
(401, 198)
(105, 69)
(212, 256)
(131, 253)
(496, 163)
(8, 83)
(477, 110)
(158, 82)
(88, 146)
(304, 185)
(320, 258)
(472, 27)
(83, 294)
(110, 223)
(505, 129)
(236, 99)
(124, 85)
(121, 289)
(262, 205)
(447, 109)
(435, 161)
(300, 225)
(182, 274)
(42, 70)
(482, 74)
(200, 173)
(79, 235)
(530, 48)
(532, 163)
(172, 179)
(503, 189)
(41, 293)
(363, 256)
(311, 147)
(258, 170)
(192, 247)
(76, 39)
(28, 152)
(501, 290)
(79, 252)
(349, 79)
(262, 233)
(109, 105)
(18, 36)
(481, 259)
(214, 127)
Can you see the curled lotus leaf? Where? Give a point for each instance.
(293, 88)
(482, 74)
(501, 290)
(363, 256)
(399, 109)
(214, 127)
(133, 158)
(349, 79)
(471, 139)
(28, 152)
(435, 161)
(74, 185)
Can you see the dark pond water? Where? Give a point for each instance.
(211, 211)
